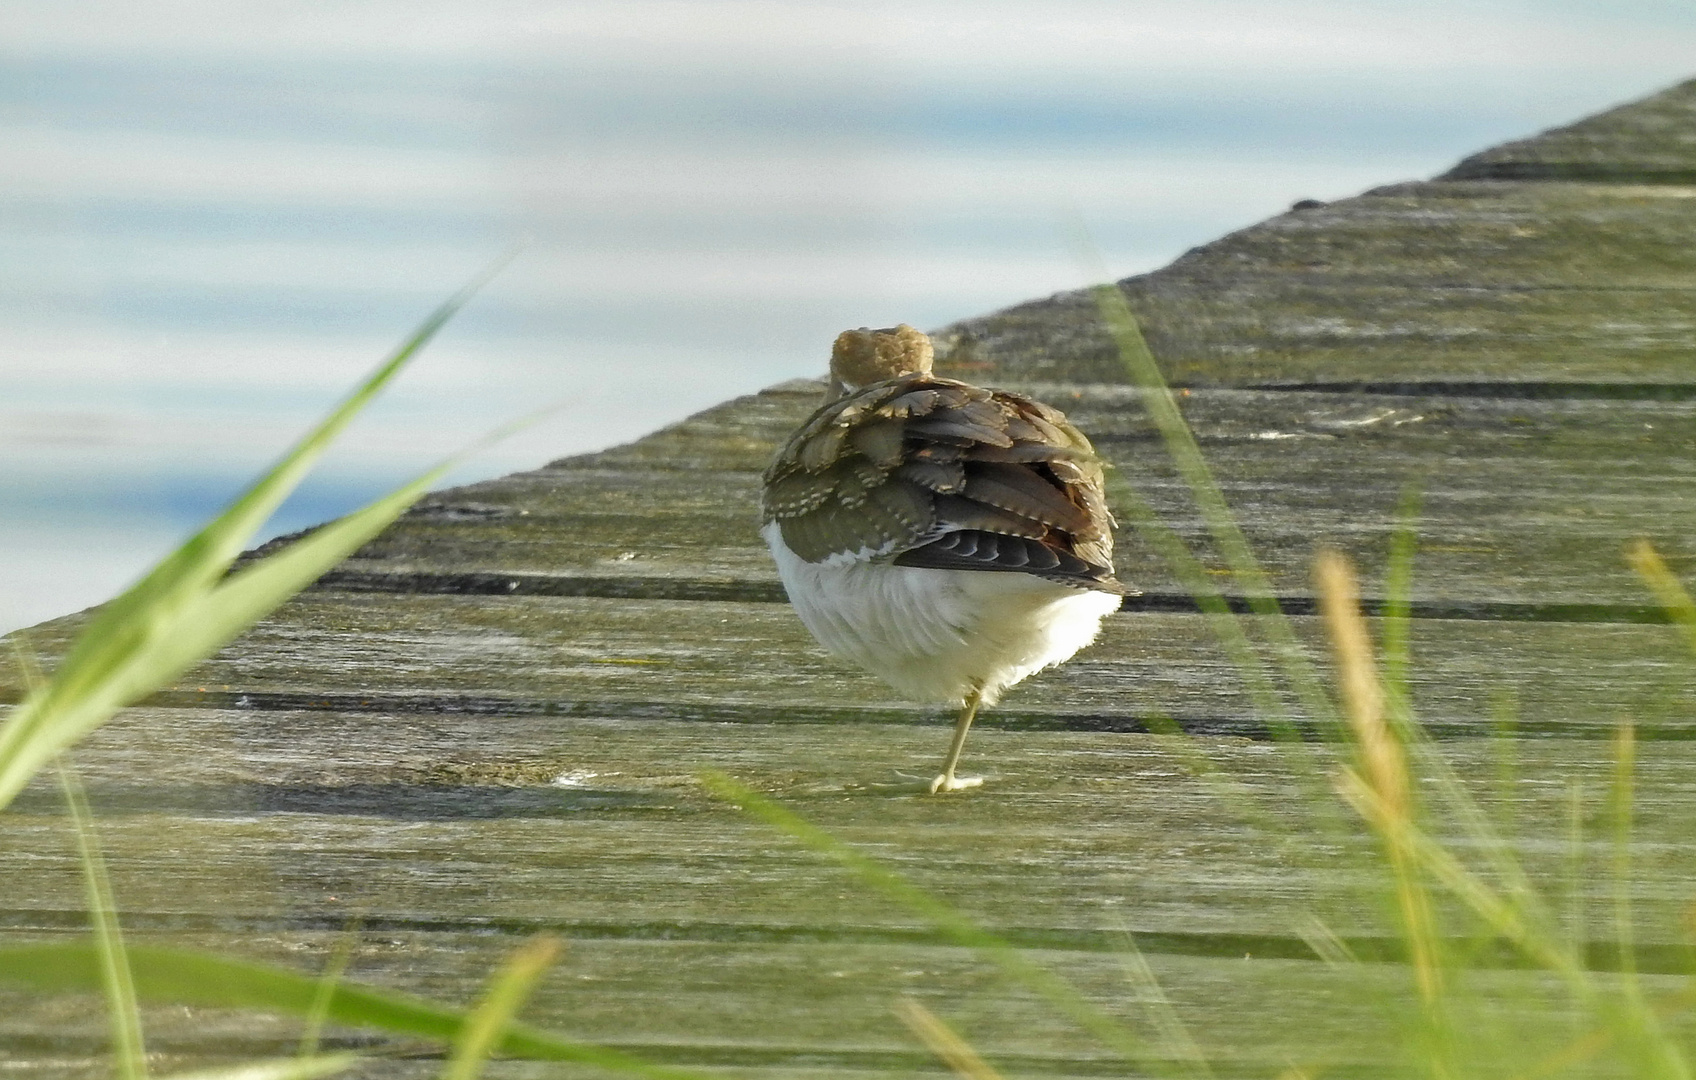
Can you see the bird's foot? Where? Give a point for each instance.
(949, 782)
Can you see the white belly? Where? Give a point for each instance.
(937, 635)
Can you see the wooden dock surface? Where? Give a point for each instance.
(492, 720)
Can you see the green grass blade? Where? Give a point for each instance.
(206, 555)
(1228, 628)
(1381, 763)
(1185, 453)
(129, 1052)
(1631, 1020)
(1190, 573)
(180, 611)
(1216, 513)
(1179, 1044)
(186, 977)
(952, 923)
(1398, 645)
(1625, 763)
(295, 1068)
(248, 595)
(1398, 605)
(1657, 1054)
(1501, 915)
(177, 639)
(1575, 915)
(319, 1011)
(509, 989)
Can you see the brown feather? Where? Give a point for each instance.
(1018, 490)
(1019, 429)
(948, 477)
(884, 468)
(913, 403)
(882, 440)
(970, 514)
(1018, 452)
(944, 428)
(823, 449)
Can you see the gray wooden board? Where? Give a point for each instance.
(1652, 141)
(491, 720)
(649, 888)
(1526, 502)
(1488, 281)
(458, 821)
(754, 662)
(252, 838)
(830, 1006)
(764, 1011)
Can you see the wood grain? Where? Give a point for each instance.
(1526, 501)
(493, 719)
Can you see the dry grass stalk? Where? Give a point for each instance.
(1381, 761)
(1667, 588)
(941, 1040)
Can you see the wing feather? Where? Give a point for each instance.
(930, 472)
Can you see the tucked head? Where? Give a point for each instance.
(862, 357)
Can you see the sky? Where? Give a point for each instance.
(215, 217)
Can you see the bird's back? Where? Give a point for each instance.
(949, 538)
(922, 471)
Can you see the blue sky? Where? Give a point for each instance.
(215, 216)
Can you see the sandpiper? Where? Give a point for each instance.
(950, 539)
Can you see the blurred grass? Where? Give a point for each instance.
(129, 1055)
(509, 987)
(1375, 756)
(941, 1040)
(319, 1011)
(297, 1068)
(190, 977)
(186, 608)
(180, 612)
(1448, 1034)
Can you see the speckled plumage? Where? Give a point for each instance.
(951, 539)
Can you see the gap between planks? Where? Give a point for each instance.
(771, 592)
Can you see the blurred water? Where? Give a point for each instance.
(215, 217)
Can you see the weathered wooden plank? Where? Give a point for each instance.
(461, 764)
(601, 829)
(754, 663)
(1652, 141)
(1490, 281)
(829, 1007)
(767, 953)
(1471, 281)
(1527, 502)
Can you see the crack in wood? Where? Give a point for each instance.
(1651, 958)
(749, 591)
(1529, 390)
(1244, 726)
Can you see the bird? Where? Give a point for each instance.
(950, 539)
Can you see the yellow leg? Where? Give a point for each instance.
(948, 781)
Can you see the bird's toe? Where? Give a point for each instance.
(948, 782)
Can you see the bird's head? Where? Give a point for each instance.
(862, 357)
